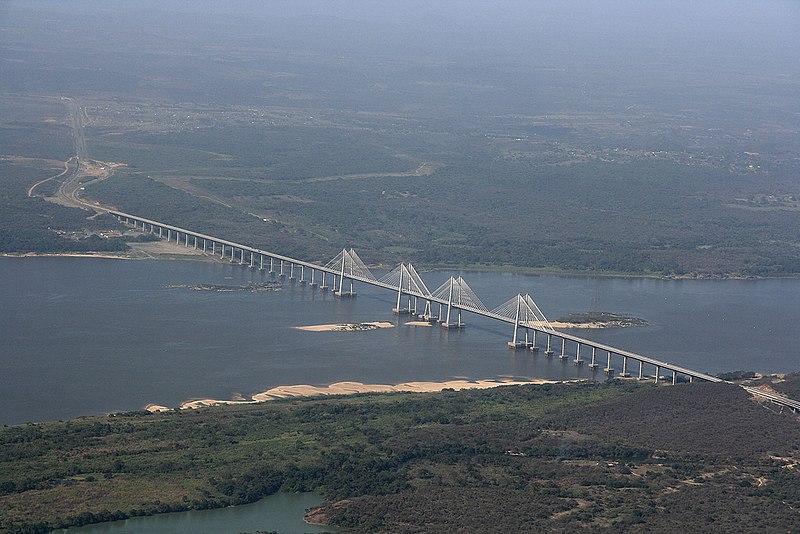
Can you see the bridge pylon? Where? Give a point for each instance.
(349, 266)
(527, 316)
(409, 283)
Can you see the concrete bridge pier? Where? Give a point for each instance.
(658, 372)
(453, 326)
(271, 265)
(280, 271)
(674, 378)
(291, 272)
(161, 232)
(322, 286)
(608, 369)
(302, 274)
(342, 293)
(578, 361)
(563, 356)
(549, 351)
(624, 373)
(233, 255)
(261, 262)
(313, 282)
(187, 240)
(241, 257)
(533, 346)
(641, 370)
(177, 237)
(427, 314)
(594, 365)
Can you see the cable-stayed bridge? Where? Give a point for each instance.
(444, 305)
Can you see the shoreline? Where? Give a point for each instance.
(298, 391)
(136, 254)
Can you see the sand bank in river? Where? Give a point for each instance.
(345, 327)
(348, 388)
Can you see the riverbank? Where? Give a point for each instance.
(171, 251)
(351, 388)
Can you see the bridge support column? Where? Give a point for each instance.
(533, 347)
(342, 293)
(322, 286)
(594, 365)
(204, 245)
(291, 272)
(280, 272)
(513, 344)
(187, 240)
(161, 232)
(313, 282)
(578, 361)
(447, 324)
(271, 265)
(260, 262)
(658, 372)
(608, 370)
(233, 255)
(302, 274)
(641, 369)
(241, 257)
(624, 372)
(674, 378)
(549, 351)
(397, 310)
(690, 378)
(563, 355)
(177, 237)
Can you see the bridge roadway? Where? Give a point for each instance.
(581, 342)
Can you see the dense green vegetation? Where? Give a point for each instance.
(608, 457)
(441, 151)
(34, 225)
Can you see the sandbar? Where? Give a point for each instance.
(349, 388)
(418, 323)
(345, 327)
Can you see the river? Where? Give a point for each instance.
(84, 336)
(282, 512)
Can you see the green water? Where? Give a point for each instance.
(282, 512)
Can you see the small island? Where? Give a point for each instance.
(345, 327)
(251, 287)
(598, 319)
